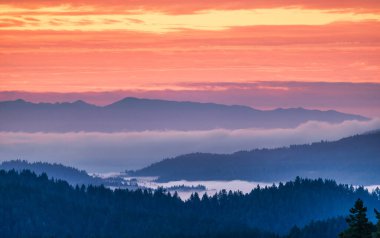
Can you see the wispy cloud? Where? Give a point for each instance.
(53, 60)
(188, 7)
(158, 22)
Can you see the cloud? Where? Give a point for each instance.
(105, 152)
(188, 7)
(6, 22)
(158, 22)
(112, 60)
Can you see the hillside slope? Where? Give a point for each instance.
(354, 160)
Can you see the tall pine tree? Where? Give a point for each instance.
(377, 233)
(359, 226)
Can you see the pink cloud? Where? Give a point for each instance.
(11, 23)
(174, 7)
(55, 60)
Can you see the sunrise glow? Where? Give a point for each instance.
(90, 46)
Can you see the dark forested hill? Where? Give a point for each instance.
(72, 175)
(34, 206)
(56, 171)
(133, 114)
(353, 160)
(330, 228)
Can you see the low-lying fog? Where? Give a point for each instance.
(104, 152)
(213, 186)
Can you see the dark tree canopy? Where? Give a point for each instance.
(377, 233)
(359, 225)
(34, 206)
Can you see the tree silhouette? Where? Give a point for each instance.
(359, 226)
(35, 206)
(377, 233)
(295, 232)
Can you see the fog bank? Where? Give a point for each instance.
(105, 152)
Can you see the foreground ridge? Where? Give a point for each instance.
(33, 205)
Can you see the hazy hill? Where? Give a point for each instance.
(353, 160)
(133, 114)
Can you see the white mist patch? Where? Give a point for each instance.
(104, 152)
(213, 187)
(372, 188)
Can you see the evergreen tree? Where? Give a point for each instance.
(377, 233)
(295, 232)
(34, 206)
(359, 226)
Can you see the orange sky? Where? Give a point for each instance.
(84, 45)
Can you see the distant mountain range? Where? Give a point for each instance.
(353, 160)
(133, 114)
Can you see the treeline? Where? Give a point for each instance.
(34, 206)
(330, 228)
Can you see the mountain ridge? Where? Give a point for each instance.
(135, 114)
